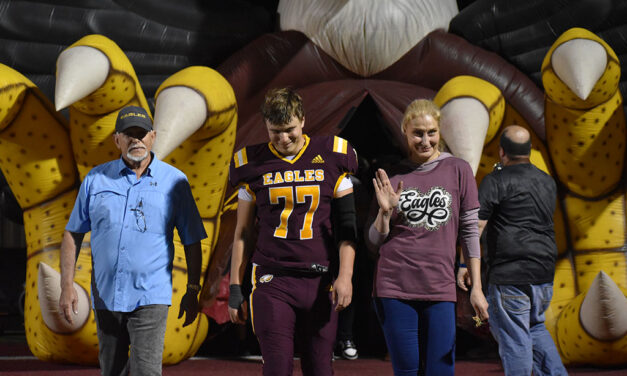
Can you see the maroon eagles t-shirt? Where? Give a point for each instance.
(417, 259)
(293, 198)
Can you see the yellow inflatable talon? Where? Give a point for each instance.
(121, 85)
(587, 147)
(49, 290)
(486, 93)
(472, 112)
(80, 71)
(43, 156)
(577, 345)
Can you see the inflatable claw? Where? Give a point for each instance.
(472, 113)
(585, 126)
(590, 327)
(37, 160)
(584, 151)
(43, 158)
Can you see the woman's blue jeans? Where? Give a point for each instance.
(419, 335)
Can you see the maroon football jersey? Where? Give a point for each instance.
(293, 198)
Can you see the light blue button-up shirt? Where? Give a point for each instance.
(131, 223)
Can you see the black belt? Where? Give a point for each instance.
(314, 269)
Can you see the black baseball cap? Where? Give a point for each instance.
(133, 116)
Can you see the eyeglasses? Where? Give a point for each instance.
(140, 219)
(138, 134)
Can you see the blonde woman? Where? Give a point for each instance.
(429, 202)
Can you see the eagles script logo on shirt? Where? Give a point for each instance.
(425, 210)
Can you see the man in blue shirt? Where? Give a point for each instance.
(131, 206)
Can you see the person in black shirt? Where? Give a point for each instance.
(517, 204)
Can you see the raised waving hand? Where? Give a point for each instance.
(387, 197)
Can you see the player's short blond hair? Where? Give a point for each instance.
(280, 105)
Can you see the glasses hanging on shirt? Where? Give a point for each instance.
(140, 219)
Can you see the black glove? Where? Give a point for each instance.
(236, 298)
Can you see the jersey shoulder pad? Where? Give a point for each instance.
(340, 145)
(240, 158)
(344, 154)
(241, 167)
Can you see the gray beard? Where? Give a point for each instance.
(133, 158)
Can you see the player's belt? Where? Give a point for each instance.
(314, 269)
(319, 269)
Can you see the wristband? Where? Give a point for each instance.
(236, 298)
(193, 287)
(462, 265)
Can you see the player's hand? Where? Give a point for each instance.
(189, 306)
(239, 315)
(463, 278)
(342, 293)
(479, 303)
(68, 303)
(387, 198)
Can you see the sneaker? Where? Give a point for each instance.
(347, 349)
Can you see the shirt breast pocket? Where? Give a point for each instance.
(157, 211)
(106, 209)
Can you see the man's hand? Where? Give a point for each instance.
(342, 293)
(68, 303)
(463, 278)
(189, 305)
(479, 303)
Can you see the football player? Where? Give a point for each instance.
(298, 190)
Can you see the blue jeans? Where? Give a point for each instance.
(517, 323)
(419, 335)
(143, 330)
